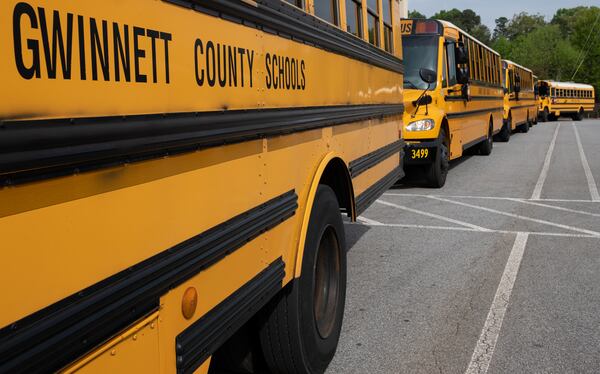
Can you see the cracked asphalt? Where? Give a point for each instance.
(421, 286)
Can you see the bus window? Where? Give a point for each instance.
(388, 43)
(327, 10)
(298, 3)
(354, 17)
(451, 57)
(373, 22)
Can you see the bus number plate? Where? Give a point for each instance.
(419, 154)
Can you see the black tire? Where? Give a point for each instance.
(544, 115)
(300, 328)
(437, 172)
(486, 146)
(524, 128)
(578, 116)
(505, 132)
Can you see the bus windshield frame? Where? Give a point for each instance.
(420, 51)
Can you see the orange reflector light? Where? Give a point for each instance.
(189, 303)
(427, 27)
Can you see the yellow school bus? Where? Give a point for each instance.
(564, 99)
(536, 95)
(519, 99)
(453, 96)
(173, 176)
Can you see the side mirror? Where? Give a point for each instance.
(465, 92)
(517, 87)
(428, 76)
(462, 75)
(424, 100)
(461, 53)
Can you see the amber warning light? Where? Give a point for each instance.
(427, 27)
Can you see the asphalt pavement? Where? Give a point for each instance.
(497, 272)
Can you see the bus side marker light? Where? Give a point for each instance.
(189, 302)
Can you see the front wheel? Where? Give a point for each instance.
(301, 327)
(438, 170)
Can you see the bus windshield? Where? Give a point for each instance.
(419, 52)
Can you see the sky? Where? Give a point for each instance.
(489, 10)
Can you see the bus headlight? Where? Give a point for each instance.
(421, 125)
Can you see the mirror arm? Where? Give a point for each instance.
(419, 102)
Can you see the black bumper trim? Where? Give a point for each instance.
(200, 340)
(61, 333)
(368, 161)
(365, 199)
(38, 149)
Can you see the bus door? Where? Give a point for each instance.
(452, 90)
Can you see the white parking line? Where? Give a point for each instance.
(369, 222)
(489, 198)
(566, 227)
(537, 192)
(489, 231)
(484, 350)
(556, 207)
(431, 215)
(586, 167)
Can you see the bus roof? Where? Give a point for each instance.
(453, 26)
(517, 65)
(568, 85)
(446, 24)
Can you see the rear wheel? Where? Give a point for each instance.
(486, 146)
(578, 116)
(544, 116)
(301, 327)
(438, 170)
(504, 134)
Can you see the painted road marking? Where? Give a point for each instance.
(586, 167)
(589, 232)
(431, 215)
(537, 203)
(537, 192)
(489, 231)
(489, 198)
(484, 350)
(368, 221)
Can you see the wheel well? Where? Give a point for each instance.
(337, 177)
(446, 127)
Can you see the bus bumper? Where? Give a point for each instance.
(420, 152)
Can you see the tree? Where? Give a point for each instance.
(544, 51)
(416, 14)
(501, 28)
(523, 24)
(467, 20)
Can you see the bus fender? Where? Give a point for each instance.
(325, 162)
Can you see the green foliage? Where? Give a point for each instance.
(467, 20)
(523, 24)
(501, 30)
(545, 52)
(416, 14)
(566, 48)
